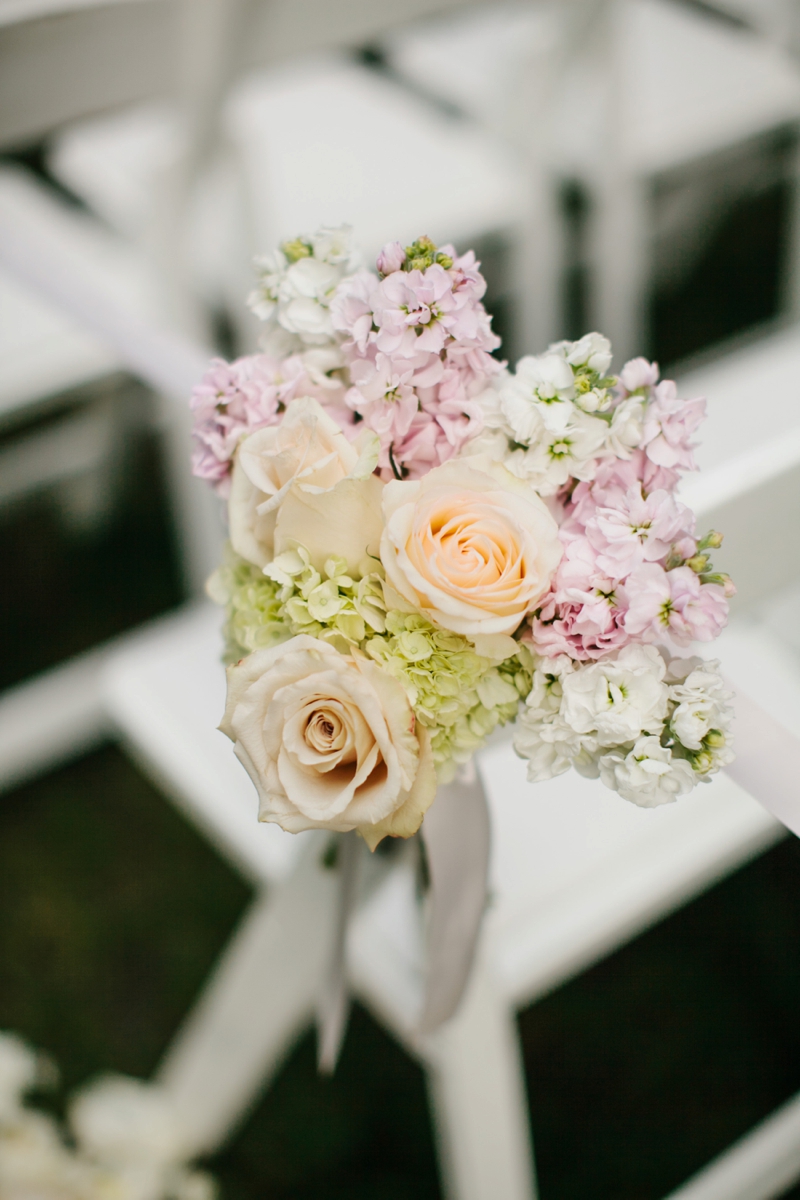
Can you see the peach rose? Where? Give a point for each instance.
(329, 741)
(469, 545)
(307, 452)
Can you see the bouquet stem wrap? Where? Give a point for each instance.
(457, 842)
(334, 1003)
(767, 763)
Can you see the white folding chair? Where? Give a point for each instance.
(301, 151)
(112, 307)
(575, 870)
(648, 90)
(64, 60)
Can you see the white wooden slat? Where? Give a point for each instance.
(69, 64)
(760, 1166)
(261, 995)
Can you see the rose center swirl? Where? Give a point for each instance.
(467, 546)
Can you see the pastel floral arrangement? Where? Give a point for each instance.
(425, 545)
(124, 1140)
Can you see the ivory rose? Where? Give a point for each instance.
(307, 451)
(329, 741)
(345, 522)
(469, 546)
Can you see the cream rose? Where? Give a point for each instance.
(346, 522)
(329, 741)
(307, 451)
(469, 545)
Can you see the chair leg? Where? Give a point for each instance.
(262, 994)
(478, 1098)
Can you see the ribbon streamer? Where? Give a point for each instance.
(456, 834)
(767, 763)
(334, 1002)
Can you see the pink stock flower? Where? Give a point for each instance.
(424, 446)
(582, 631)
(636, 530)
(613, 478)
(669, 423)
(383, 396)
(675, 603)
(235, 399)
(466, 275)
(416, 311)
(638, 375)
(351, 309)
(418, 346)
(583, 616)
(390, 258)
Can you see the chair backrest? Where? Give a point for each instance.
(59, 62)
(65, 59)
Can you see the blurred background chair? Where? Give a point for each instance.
(652, 163)
(121, 274)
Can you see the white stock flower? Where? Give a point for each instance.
(550, 460)
(647, 775)
(120, 1121)
(618, 698)
(544, 698)
(541, 735)
(307, 452)
(329, 741)
(702, 712)
(625, 431)
(539, 393)
(593, 350)
(297, 283)
(36, 1165)
(551, 746)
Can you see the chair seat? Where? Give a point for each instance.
(165, 692)
(575, 869)
(324, 141)
(43, 349)
(691, 85)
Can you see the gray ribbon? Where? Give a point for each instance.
(767, 763)
(334, 1002)
(456, 837)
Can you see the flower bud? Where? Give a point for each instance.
(391, 258)
(420, 254)
(703, 762)
(698, 563)
(712, 541)
(296, 249)
(714, 739)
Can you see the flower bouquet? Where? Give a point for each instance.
(425, 545)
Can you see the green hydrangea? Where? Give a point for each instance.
(495, 702)
(456, 693)
(331, 606)
(253, 607)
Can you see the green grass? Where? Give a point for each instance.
(639, 1071)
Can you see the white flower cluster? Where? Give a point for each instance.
(128, 1145)
(648, 726)
(552, 419)
(296, 284)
